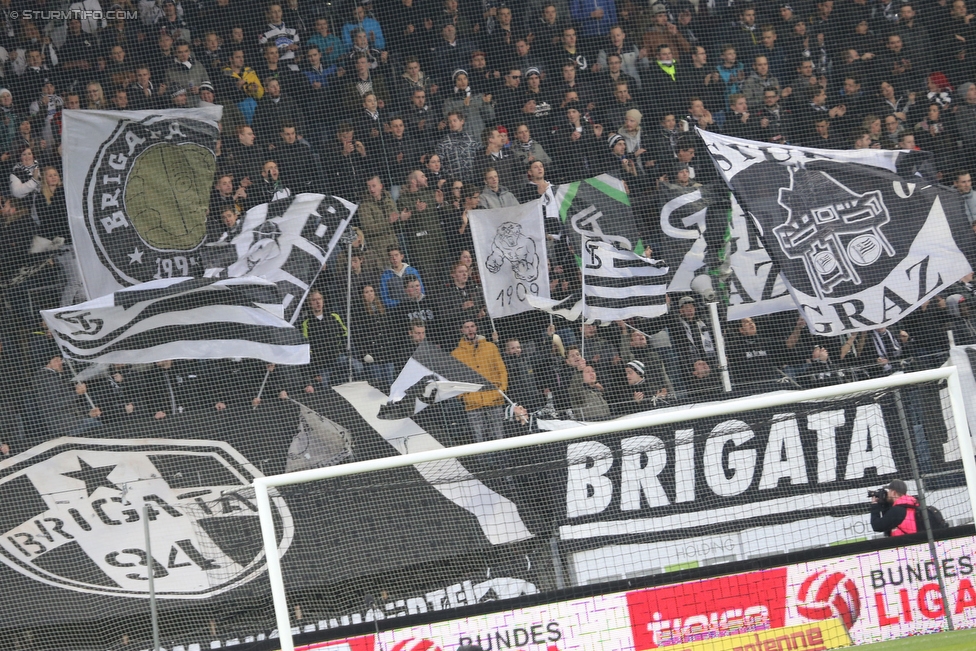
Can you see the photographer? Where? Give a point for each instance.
(893, 511)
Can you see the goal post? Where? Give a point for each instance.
(264, 485)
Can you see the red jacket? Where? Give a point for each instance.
(908, 525)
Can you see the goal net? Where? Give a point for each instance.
(548, 515)
(239, 236)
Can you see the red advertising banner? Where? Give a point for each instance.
(361, 643)
(703, 610)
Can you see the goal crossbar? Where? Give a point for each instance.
(262, 485)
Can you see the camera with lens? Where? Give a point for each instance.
(881, 494)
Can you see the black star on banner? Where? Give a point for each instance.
(94, 477)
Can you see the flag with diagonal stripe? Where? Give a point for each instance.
(429, 376)
(286, 242)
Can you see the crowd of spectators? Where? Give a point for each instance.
(422, 110)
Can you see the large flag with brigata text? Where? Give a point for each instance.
(138, 195)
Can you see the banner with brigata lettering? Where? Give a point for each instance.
(426, 539)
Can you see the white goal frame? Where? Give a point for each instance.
(263, 485)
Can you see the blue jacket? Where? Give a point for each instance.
(391, 286)
(728, 77)
(368, 25)
(323, 43)
(581, 10)
(321, 77)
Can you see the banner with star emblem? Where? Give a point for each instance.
(861, 238)
(74, 559)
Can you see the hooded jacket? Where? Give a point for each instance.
(483, 357)
(501, 199)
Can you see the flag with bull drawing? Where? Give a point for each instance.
(510, 245)
(138, 186)
(619, 281)
(861, 239)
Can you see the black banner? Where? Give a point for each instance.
(413, 540)
(72, 538)
(759, 468)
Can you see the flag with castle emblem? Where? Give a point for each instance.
(862, 239)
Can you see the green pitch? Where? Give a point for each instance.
(954, 641)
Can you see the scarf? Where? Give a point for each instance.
(887, 346)
(420, 84)
(707, 345)
(668, 68)
(24, 174)
(672, 136)
(527, 146)
(54, 104)
(942, 98)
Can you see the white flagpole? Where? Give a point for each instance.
(349, 309)
(720, 346)
(583, 293)
(636, 329)
(261, 390)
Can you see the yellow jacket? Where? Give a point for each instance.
(486, 360)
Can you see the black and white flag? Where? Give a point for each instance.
(180, 318)
(859, 246)
(286, 242)
(138, 188)
(138, 196)
(320, 442)
(755, 285)
(429, 376)
(619, 282)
